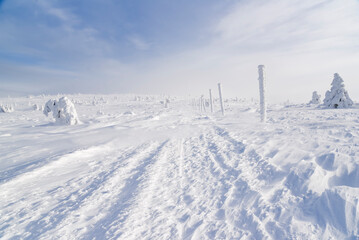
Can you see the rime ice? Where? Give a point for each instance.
(315, 98)
(337, 97)
(63, 110)
(6, 109)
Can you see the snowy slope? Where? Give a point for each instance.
(137, 170)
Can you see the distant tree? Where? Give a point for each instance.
(6, 109)
(315, 98)
(337, 97)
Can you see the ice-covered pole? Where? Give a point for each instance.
(220, 98)
(203, 104)
(261, 79)
(210, 100)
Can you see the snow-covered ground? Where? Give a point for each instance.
(137, 170)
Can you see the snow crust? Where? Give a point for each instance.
(176, 173)
(63, 111)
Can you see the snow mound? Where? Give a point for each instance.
(63, 110)
(337, 97)
(6, 109)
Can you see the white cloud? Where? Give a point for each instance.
(301, 42)
(283, 25)
(62, 14)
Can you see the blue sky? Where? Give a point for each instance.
(178, 47)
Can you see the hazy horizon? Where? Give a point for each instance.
(173, 48)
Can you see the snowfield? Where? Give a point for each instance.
(134, 169)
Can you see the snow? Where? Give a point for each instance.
(262, 90)
(315, 98)
(6, 109)
(63, 111)
(337, 97)
(139, 170)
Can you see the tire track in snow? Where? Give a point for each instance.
(204, 192)
(180, 198)
(153, 215)
(122, 201)
(30, 218)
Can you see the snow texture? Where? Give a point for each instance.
(337, 97)
(63, 111)
(315, 98)
(177, 173)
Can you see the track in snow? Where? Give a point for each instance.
(206, 185)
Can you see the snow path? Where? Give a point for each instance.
(179, 188)
(175, 174)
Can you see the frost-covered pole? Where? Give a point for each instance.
(210, 100)
(220, 98)
(261, 79)
(203, 104)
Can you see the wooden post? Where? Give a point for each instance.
(261, 79)
(220, 98)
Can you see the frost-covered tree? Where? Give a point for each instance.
(337, 97)
(6, 109)
(63, 110)
(315, 98)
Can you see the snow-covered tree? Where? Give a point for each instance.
(6, 109)
(315, 98)
(63, 110)
(337, 97)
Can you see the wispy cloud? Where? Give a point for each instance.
(302, 42)
(282, 25)
(139, 43)
(58, 12)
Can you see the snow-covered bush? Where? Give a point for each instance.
(63, 110)
(315, 98)
(36, 107)
(6, 109)
(337, 97)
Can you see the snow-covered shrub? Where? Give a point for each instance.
(337, 97)
(63, 110)
(315, 98)
(36, 107)
(6, 109)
